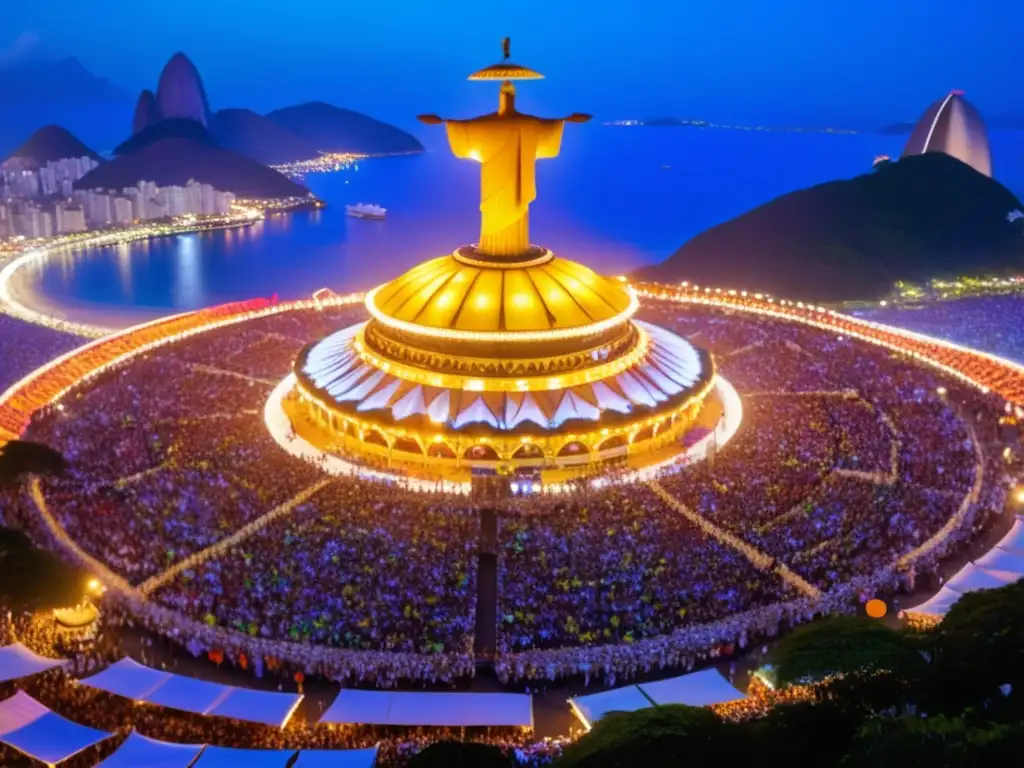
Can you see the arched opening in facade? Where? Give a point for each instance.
(408, 445)
(528, 451)
(440, 451)
(482, 452)
(374, 437)
(615, 441)
(574, 448)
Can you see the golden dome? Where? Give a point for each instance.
(455, 293)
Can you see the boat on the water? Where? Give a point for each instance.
(366, 211)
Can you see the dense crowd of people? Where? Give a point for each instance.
(988, 323)
(24, 347)
(850, 461)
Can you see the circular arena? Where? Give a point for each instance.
(865, 455)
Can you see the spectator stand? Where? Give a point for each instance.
(452, 710)
(698, 689)
(17, 661)
(1002, 565)
(36, 731)
(135, 681)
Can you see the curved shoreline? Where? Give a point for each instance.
(21, 302)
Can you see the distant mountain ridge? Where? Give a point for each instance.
(48, 81)
(333, 129)
(925, 216)
(51, 143)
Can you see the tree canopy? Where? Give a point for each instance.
(665, 735)
(844, 645)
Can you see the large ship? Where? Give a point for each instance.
(366, 211)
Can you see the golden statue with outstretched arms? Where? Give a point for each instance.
(507, 144)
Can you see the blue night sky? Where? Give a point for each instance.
(815, 62)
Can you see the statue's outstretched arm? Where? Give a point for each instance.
(577, 117)
(430, 119)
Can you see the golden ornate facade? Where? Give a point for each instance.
(501, 354)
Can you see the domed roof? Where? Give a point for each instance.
(953, 126)
(457, 293)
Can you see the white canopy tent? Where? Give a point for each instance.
(226, 757)
(1014, 538)
(698, 689)
(973, 577)
(336, 758)
(32, 729)
(1000, 559)
(138, 750)
(138, 682)
(128, 678)
(939, 605)
(17, 661)
(591, 708)
(436, 709)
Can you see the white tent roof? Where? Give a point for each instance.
(128, 678)
(226, 757)
(699, 689)
(939, 605)
(336, 758)
(18, 661)
(1014, 538)
(438, 709)
(189, 694)
(593, 707)
(1000, 559)
(34, 730)
(268, 707)
(138, 750)
(973, 577)
(138, 682)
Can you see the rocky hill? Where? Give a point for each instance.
(253, 135)
(51, 143)
(922, 217)
(175, 160)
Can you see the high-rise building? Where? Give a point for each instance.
(122, 211)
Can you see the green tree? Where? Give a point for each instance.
(845, 645)
(811, 734)
(935, 742)
(978, 647)
(666, 735)
(457, 754)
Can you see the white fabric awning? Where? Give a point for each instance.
(973, 577)
(591, 708)
(939, 605)
(138, 750)
(18, 661)
(138, 682)
(1000, 559)
(129, 679)
(698, 689)
(432, 709)
(336, 758)
(1014, 538)
(32, 729)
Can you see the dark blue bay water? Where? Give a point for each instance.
(615, 199)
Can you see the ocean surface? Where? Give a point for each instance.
(616, 198)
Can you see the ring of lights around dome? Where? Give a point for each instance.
(502, 384)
